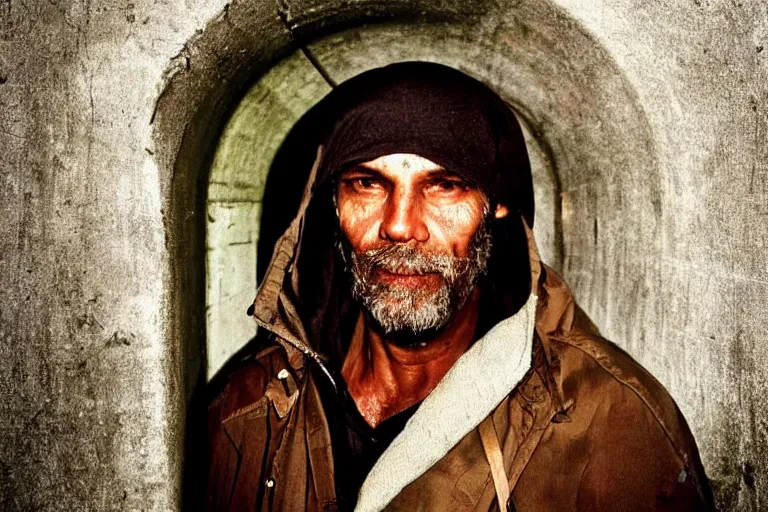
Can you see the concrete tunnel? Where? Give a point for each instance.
(137, 144)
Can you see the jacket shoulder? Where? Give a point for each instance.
(243, 382)
(587, 357)
(594, 370)
(240, 388)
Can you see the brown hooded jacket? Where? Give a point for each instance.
(586, 428)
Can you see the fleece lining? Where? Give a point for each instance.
(479, 380)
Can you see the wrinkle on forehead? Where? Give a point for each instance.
(407, 161)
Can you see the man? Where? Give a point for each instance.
(415, 354)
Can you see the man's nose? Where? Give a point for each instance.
(403, 219)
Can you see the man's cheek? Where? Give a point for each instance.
(454, 230)
(362, 235)
(361, 226)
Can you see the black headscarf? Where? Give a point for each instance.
(438, 113)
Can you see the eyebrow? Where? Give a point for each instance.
(361, 169)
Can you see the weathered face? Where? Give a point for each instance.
(417, 240)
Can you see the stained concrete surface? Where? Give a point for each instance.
(87, 391)
(653, 114)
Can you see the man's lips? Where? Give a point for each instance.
(406, 279)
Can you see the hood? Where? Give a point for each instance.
(304, 294)
(311, 329)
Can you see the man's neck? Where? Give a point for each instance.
(385, 379)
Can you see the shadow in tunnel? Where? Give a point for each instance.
(287, 175)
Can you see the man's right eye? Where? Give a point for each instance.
(365, 182)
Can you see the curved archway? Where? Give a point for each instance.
(576, 141)
(249, 206)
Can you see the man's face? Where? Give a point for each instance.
(416, 240)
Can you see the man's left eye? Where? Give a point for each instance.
(448, 186)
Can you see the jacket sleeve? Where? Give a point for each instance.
(635, 466)
(244, 391)
(222, 458)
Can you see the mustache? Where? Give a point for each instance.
(400, 259)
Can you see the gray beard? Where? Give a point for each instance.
(409, 315)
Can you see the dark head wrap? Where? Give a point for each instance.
(438, 113)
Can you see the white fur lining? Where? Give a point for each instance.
(472, 388)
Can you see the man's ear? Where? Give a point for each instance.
(501, 211)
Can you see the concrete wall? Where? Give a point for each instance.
(88, 386)
(652, 116)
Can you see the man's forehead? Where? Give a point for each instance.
(399, 162)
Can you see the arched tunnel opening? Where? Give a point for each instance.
(255, 189)
(593, 157)
(579, 144)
